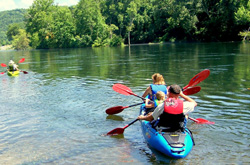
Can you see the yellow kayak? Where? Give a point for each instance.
(13, 73)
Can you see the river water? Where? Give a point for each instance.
(55, 114)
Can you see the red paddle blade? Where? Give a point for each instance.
(3, 65)
(116, 131)
(198, 78)
(191, 91)
(122, 89)
(2, 72)
(204, 121)
(22, 60)
(114, 110)
(24, 72)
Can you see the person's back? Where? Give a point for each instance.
(175, 109)
(172, 117)
(158, 85)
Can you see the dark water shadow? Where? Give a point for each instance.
(114, 117)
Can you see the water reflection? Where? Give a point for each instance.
(114, 117)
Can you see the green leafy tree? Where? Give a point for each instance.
(6, 19)
(62, 29)
(242, 17)
(175, 20)
(144, 28)
(35, 41)
(39, 19)
(90, 22)
(114, 13)
(50, 26)
(216, 19)
(21, 40)
(131, 15)
(13, 30)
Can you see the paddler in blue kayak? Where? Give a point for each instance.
(158, 85)
(172, 111)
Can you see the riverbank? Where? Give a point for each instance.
(6, 47)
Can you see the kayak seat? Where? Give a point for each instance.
(175, 139)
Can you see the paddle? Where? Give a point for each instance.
(118, 109)
(192, 90)
(122, 89)
(198, 78)
(3, 65)
(21, 60)
(118, 131)
(201, 121)
(24, 72)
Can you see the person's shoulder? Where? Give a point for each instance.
(189, 104)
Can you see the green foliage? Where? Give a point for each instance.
(242, 17)
(89, 21)
(245, 35)
(35, 41)
(62, 30)
(6, 19)
(39, 19)
(52, 25)
(13, 30)
(21, 41)
(112, 23)
(116, 41)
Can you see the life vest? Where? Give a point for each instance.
(172, 117)
(157, 102)
(155, 88)
(13, 67)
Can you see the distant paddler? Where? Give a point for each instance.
(12, 66)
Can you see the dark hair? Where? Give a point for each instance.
(175, 89)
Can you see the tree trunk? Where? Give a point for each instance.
(128, 38)
(246, 34)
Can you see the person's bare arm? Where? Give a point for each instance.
(149, 104)
(148, 91)
(148, 117)
(187, 98)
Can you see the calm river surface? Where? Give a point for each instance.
(55, 114)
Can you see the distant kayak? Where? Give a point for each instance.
(13, 73)
(172, 144)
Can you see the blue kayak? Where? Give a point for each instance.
(172, 144)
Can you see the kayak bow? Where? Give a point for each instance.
(13, 73)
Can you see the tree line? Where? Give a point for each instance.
(116, 22)
(7, 18)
